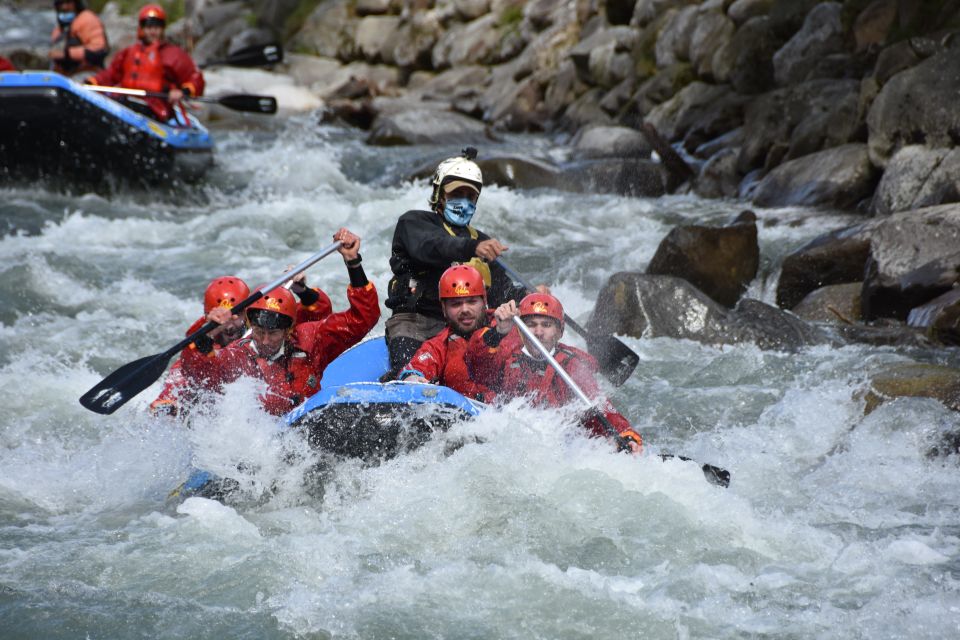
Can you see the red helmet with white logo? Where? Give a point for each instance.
(542, 304)
(153, 11)
(277, 309)
(225, 291)
(462, 281)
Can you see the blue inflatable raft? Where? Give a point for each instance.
(51, 126)
(354, 416)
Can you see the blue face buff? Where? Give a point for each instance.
(65, 17)
(459, 211)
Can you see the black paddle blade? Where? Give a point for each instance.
(117, 388)
(615, 359)
(249, 103)
(255, 56)
(713, 474)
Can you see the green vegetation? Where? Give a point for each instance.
(510, 17)
(298, 17)
(174, 8)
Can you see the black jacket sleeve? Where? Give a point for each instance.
(429, 243)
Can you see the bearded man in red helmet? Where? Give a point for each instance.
(425, 244)
(440, 360)
(289, 356)
(178, 391)
(155, 65)
(512, 368)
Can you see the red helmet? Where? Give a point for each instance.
(462, 281)
(542, 304)
(153, 11)
(225, 291)
(275, 310)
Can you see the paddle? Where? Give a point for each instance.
(117, 388)
(237, 102)
(256, 55)
(714, 475)
(617, 361)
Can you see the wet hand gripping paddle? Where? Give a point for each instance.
(126, 382)
(713, 474)
(616, 360)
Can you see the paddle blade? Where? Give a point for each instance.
(253, 56)
(615, 359)
(249, 103)
(117, 388)
(713, 474)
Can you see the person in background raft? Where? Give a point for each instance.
(440, 359)
(288, 356)
(78, 42)
(178, 393)
(6, 65)
(425, 243)
(155, 65)
(514, 368)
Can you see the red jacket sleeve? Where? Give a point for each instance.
(316, 311)
(582, 369)
(328, 338)
(180, 70)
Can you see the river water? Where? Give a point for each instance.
(836, 525)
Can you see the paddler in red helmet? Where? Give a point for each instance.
(179, 389)
(155, 65)
(512, 368)
(289, 356)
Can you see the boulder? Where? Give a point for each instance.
(605, 142)
(718, 177)
(647, 11)
(889, 294)
(917, 106)
(673, 43)
(649, 306)
(815, 110)
(821, 35)
(475, 42)
(593, 56)
(712, 31)
(329, 31)
(729, 141)
(874, 23)
(837, 178)
(916, 177)
(939, 319)
(674, 117)
(833, 303)
(623, 176)
(746, 62)
(742, 10)
(838, 257)
(425, 126)
(373, 32)
(914, 381)
(720, 261)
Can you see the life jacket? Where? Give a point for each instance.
(442, 359)
(142, 68)
(525, 376)
(289, 377)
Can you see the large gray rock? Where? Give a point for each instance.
(747, 60)
(874, 23)
(917, 106)
(649, 306)
(904, 251)
(673, 44)
(329, 31)
(833, 303)
(821, 35)
(425, 126)
(742, 10)
(605, 142)
(838, 178)
(594, 56)
(713, 31)
(472, 43)
(647, 11)
(623, 176)
(373, 33)
(916, 177)
(720, 261)
(939, 318)
(674, 117)
(771, 121)
(719, 178)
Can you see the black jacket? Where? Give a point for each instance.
(422, 250)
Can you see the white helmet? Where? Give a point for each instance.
(461, 168)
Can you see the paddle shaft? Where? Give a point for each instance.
(713, 474)
(211, 100)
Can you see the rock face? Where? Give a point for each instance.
(918, 176)
(939, 318)
(918, 381)
(720, 261)
(649, 306)
(833, 303)
(840, 178)
(917, 106)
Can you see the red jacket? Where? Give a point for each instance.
(6, 65)
(510, 373)
(178, 388)
(155, 67)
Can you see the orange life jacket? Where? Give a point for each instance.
(142, 68)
